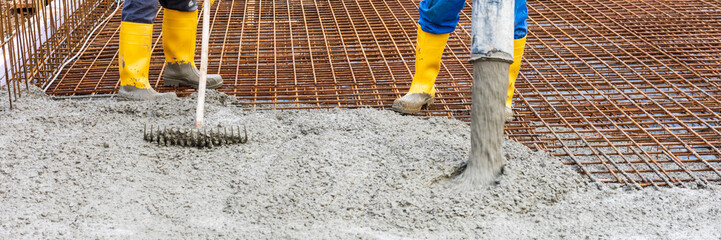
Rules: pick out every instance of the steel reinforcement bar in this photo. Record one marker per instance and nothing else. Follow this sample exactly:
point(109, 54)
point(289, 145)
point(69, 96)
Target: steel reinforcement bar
point(37, 37)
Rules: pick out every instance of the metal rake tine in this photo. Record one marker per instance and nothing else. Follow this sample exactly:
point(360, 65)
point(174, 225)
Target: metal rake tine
point(223, 139)
point(173, 136)
point(154, 135)
point(216, 137)
point(245, 132)
point(206, 139)
point(238, 135)
point(167, 137)
point(210, 139)
point(196, 138)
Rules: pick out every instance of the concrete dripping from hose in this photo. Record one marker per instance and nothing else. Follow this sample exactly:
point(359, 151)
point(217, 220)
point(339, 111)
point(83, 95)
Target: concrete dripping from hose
point(492, 55)
point(490, 84)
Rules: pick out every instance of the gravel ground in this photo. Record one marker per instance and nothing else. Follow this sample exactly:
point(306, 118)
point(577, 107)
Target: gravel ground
point(80, 169)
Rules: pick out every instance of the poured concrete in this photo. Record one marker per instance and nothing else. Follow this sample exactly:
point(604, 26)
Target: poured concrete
point(80, 169)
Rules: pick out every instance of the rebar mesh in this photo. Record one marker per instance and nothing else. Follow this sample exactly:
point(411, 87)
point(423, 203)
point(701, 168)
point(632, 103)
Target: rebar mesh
point(626, 91)
point(38, 36)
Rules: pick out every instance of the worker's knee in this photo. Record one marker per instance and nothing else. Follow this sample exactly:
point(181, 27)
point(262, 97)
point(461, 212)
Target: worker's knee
point(139, 11)
point(180, 5)
point(439, 16)
point(520, 28)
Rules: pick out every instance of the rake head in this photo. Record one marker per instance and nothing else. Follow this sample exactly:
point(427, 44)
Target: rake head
point(195, 138)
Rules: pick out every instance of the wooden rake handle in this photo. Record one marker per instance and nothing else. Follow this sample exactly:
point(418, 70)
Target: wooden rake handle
point(200, 110)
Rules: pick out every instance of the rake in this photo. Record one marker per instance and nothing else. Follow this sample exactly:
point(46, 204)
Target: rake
point(199, 137)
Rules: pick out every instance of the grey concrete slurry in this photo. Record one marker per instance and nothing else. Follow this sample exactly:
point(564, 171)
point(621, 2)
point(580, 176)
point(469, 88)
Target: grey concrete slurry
point(80, 169)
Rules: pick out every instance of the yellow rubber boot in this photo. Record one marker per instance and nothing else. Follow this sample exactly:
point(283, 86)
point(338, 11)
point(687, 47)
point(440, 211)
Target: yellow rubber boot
point(134, 61)
point(518, 46)
point(428, 63)
point(179, 34)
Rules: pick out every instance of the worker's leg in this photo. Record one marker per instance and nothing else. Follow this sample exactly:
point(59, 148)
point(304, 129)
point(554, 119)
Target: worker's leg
point(136, 34)
point(180, 21)
point(438, 18)
point(520, 31)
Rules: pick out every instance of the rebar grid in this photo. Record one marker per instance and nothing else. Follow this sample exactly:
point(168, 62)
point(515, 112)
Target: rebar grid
point(38, 36)
point(626, 91)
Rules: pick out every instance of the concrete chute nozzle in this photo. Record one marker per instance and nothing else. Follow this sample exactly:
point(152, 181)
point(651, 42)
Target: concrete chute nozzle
point(491, 54)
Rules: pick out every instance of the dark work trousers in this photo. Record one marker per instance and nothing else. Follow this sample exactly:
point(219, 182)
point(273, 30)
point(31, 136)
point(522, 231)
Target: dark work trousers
point(144, 11)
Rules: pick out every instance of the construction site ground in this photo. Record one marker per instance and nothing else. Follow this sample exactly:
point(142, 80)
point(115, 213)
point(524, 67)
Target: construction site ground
point(80, 169)
point(627, 91)
point(616, 134)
